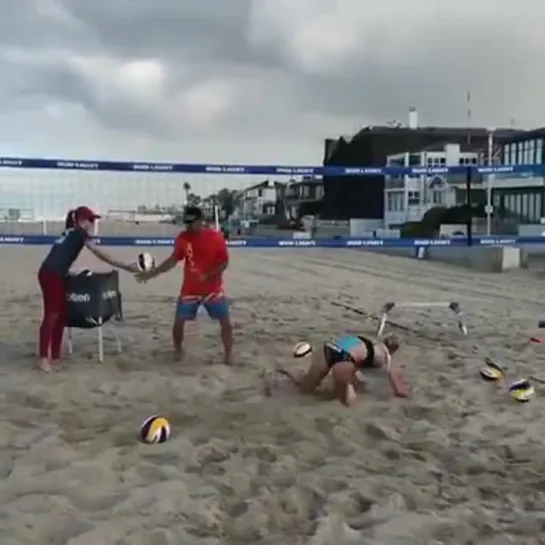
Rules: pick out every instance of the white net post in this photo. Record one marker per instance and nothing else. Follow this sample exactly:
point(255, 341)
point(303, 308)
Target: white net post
point(216, 217)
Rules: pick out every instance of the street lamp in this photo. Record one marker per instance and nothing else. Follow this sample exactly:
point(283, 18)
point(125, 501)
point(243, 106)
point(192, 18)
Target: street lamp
point(489, 183)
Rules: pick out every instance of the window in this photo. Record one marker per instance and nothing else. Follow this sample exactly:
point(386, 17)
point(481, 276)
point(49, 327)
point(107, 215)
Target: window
point(518, 203)
point(395, 200)
point(320, 192)
point(513, 154)
point(394, 182)
point(532, 152)
point(389, 202)
point(507, 154)
point(260, 192)
point(413, 198)
point(437, 196)
point(520, 157)
point(525, 205)
point(531, 212)
point(415, 159)
point(539, 152)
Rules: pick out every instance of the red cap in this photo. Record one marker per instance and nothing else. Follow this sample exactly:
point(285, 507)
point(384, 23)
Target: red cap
point(85, 213)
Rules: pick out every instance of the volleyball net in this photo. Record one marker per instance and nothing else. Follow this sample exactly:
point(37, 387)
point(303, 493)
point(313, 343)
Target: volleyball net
point(141, 203)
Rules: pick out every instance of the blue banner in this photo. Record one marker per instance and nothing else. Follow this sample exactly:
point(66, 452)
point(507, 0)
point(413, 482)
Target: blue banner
point(261, 170)
point(41, 240)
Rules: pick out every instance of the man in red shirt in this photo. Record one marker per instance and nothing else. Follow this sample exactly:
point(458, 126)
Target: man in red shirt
point(205, 257)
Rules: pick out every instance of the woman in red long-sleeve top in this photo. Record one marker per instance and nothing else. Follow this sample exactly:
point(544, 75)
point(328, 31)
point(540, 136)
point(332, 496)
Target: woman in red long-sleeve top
point(52, 279)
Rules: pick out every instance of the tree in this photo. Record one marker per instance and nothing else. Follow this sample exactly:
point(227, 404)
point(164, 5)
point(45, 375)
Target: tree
point(187, 189)
point(193, 200)
point(227, 201)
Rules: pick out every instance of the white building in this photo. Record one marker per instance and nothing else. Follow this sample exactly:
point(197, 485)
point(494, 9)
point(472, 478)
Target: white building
point(258, 200)
point(522, 197)
point(407, 198)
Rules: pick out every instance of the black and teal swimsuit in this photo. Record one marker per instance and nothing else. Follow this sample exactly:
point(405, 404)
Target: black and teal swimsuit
point(341, 350)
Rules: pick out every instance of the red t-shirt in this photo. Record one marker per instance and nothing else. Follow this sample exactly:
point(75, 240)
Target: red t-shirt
point(202, 253)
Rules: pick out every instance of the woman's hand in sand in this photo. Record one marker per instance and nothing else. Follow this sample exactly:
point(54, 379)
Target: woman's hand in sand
point(399, 387)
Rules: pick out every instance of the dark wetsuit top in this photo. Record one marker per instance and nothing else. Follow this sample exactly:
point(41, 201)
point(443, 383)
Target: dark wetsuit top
point(341, 348)
point(65, 251)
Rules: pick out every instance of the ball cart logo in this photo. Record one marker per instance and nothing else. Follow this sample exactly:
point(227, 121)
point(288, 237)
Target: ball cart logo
point(109, 294)
point(78, 297)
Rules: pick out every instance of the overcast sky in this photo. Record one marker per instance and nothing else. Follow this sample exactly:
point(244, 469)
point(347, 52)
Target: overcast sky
point(257, 80)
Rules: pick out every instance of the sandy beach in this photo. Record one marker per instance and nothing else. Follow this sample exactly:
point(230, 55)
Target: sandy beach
point(457, 463)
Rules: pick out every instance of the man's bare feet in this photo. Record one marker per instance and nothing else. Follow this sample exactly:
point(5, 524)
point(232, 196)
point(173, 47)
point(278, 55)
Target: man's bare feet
point(228, 359)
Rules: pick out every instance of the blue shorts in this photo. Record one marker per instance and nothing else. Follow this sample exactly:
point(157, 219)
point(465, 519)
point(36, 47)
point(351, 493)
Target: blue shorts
point(217, 307)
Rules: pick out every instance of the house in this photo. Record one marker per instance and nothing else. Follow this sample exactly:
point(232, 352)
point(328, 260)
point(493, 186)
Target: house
point(302, 197)
point(407, 198)
point(258, 200)
point(522, 196)
point(362, 197)
point(518, 198)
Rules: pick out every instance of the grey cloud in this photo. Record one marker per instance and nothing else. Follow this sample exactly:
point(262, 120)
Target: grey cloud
point(261, 76)
point(200, 31)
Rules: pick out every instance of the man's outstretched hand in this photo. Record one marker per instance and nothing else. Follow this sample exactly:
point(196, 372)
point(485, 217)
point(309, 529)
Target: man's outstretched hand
point(142, 276)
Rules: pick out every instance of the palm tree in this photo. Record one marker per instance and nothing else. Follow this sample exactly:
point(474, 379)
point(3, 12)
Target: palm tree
point(228, 201)
point(187, 189)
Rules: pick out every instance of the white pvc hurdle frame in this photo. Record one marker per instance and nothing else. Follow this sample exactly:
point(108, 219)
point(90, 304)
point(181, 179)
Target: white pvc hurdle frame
point(454, 306)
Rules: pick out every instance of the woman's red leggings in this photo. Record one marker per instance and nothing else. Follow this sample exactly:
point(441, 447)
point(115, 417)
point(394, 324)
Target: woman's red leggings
point(55, 314)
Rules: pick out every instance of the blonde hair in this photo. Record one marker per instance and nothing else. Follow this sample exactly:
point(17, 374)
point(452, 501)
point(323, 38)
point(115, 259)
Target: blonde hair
point(391, 342)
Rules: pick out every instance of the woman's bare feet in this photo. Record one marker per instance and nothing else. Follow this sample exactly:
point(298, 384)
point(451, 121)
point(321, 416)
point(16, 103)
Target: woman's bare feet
point(228, 359)
point(178, 355)
point(44, 366)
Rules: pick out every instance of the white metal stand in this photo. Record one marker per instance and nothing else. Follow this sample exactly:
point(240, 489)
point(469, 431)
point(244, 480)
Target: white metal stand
point(100, 331)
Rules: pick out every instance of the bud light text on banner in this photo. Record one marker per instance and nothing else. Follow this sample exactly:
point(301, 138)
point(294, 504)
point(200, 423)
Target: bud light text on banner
point(45, 240)
point(261, 170)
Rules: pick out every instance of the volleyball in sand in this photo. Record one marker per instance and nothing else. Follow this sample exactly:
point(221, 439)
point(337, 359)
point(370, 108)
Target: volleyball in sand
point(155, 429)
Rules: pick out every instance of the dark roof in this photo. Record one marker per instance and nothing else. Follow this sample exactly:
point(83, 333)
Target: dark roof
point(307, 180)
point(436, 131)
point(264, 183)
point(520, 136)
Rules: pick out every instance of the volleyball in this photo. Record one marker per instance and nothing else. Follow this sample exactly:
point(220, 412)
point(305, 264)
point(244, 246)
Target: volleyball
point(145, 262)
point(491, 371)
point(155, 429)
point(521, 390)
point(302, 349)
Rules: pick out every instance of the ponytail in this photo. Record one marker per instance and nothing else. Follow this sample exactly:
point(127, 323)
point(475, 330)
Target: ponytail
point(70, 220)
